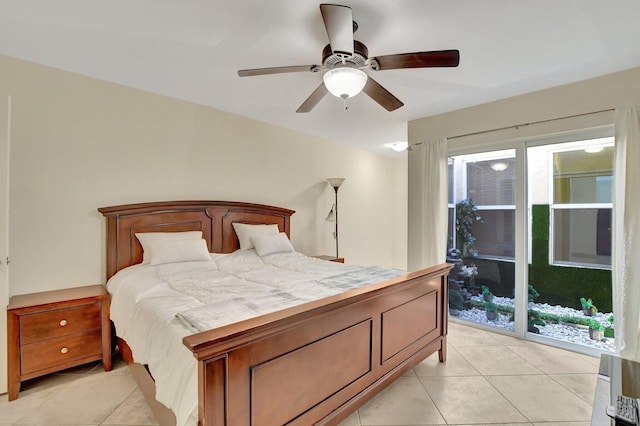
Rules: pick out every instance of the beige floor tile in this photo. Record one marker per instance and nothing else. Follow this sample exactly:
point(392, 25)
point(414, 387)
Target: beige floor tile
point(554, 360)
point(404, 402)
point(82, 369)
point(508, 340)
point(87, 400)
point(583, 385)
point(56, 381)
point(496, 360)
point(133, 411)
point(462, 335)
point(352, 420)
point(563, 424)
point(470, 400)
point(456, 365)
point(118, 366)
point(593, 360)
point(411, 373)
point(28, 401)
point(498, 424)
point(541, 399)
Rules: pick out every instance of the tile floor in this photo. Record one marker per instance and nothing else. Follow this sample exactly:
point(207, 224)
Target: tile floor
point(488, 378)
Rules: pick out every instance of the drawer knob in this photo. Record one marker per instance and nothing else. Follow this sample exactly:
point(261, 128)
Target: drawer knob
point(63, 322)
point(64, 350)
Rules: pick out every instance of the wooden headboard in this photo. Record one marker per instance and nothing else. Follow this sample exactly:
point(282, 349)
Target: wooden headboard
point(213, 218)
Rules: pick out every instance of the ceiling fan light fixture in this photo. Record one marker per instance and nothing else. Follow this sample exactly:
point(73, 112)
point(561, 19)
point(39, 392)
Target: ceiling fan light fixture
point(344, 82)
point(499, 166)
point(398, 146)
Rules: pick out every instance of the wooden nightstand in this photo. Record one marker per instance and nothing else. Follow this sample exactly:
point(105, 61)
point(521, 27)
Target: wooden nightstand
point(330, 258)
point(55, 330)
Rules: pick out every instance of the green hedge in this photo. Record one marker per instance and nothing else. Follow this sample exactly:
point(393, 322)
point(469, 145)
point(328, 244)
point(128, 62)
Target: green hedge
point(563, 285)
point(557, 285)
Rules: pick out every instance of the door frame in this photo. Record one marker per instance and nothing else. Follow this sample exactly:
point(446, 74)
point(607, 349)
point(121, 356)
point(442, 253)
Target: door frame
point(5, 148)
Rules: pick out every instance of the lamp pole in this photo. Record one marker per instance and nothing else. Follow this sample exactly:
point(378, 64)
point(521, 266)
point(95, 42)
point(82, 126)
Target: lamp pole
point(335, 184)
point(336, 225)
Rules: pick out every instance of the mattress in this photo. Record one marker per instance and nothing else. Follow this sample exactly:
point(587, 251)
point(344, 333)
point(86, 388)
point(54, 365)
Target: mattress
point(154, 307)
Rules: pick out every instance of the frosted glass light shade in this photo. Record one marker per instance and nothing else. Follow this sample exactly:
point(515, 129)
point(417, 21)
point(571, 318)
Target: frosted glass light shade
point(593, 149)
point(344, 82)
point(335, 182)
point(397, 146)
point(499, 166)
point(331, 217)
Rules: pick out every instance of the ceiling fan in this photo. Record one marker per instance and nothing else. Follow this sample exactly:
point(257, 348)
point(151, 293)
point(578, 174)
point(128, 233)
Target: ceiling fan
point(345, 59)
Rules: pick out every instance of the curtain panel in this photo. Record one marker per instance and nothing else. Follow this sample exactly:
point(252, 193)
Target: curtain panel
point(434, 201)
point(626, 233)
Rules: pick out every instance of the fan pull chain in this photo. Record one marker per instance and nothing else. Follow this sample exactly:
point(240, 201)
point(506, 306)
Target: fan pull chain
point(344, 100)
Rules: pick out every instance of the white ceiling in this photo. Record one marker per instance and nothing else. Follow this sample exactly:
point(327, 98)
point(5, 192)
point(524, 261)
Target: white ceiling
point(192, 49)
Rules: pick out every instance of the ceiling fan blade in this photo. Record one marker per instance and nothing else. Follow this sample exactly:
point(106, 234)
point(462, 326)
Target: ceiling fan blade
point(338, 21)
point(275, 70)
point(437, 58)
point(313, 99)
point(381, 95)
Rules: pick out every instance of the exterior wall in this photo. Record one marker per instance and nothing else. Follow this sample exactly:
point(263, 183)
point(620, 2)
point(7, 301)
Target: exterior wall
point(79, 143)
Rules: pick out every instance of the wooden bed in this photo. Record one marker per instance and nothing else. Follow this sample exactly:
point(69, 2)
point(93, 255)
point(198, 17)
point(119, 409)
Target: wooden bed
point(311, 364)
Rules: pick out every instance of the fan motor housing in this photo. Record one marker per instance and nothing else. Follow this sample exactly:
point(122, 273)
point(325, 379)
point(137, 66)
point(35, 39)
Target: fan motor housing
point(357, 60)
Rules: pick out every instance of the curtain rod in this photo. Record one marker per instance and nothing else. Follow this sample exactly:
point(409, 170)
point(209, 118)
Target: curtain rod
point(517, 126)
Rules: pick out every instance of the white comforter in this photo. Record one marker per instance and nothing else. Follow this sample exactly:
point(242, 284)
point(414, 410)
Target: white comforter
point(154, 307)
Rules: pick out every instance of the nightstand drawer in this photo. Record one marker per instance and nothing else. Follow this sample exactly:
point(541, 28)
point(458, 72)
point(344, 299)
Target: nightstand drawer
point(58, 322)
point(49, 353)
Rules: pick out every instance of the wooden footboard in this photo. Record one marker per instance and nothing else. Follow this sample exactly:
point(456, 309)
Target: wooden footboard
point(318, 362)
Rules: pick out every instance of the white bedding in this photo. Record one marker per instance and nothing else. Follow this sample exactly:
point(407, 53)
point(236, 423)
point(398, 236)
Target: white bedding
point(154, 307)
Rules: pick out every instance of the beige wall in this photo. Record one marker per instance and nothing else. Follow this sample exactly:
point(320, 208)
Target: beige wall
point(598, 94)
point(80, 143)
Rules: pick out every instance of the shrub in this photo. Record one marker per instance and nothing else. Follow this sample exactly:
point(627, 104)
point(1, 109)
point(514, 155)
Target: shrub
point(588, 304)
point(491, 307)
point(466, 216)
point(594, 325)
point(455, 299)
point(533, 294)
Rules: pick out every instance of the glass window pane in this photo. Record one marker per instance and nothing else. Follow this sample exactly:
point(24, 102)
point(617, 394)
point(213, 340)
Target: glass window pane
point(451, 227)
point(582, 236)
point(450, 177)
point(495, 237)
point(492, 182)
point(582, 177)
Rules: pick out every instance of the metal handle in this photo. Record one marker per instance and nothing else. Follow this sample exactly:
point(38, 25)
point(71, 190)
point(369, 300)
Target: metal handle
point(63, 322)
point(64, 350)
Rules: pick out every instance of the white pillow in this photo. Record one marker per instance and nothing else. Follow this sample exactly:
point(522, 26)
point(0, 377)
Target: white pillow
point(172, 251)
point(271, 243)
point(150, 239)
point(245, 231)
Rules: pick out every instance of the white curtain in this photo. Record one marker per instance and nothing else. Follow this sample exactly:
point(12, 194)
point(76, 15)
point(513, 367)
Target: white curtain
point(626, 233)
point(434, 202)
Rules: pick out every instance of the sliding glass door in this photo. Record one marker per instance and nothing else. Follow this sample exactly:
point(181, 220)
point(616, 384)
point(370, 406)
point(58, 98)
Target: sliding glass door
point(530, 235)
point(570, 200)
point(482, 238)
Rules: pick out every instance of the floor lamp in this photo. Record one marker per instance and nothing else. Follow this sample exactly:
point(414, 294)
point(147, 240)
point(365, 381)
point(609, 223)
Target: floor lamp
point(333, 213)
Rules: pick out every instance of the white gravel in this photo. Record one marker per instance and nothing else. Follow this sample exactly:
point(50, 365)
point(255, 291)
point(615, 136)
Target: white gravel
point(566, 332)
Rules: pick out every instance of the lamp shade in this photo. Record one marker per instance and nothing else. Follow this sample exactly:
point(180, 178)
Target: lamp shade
point(331, 217)
point(335, 182)
point(344, 82)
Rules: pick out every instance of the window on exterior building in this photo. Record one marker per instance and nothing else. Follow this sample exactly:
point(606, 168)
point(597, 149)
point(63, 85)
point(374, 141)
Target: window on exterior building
point(491, 185)
point(451, 205)
point(581, 206)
